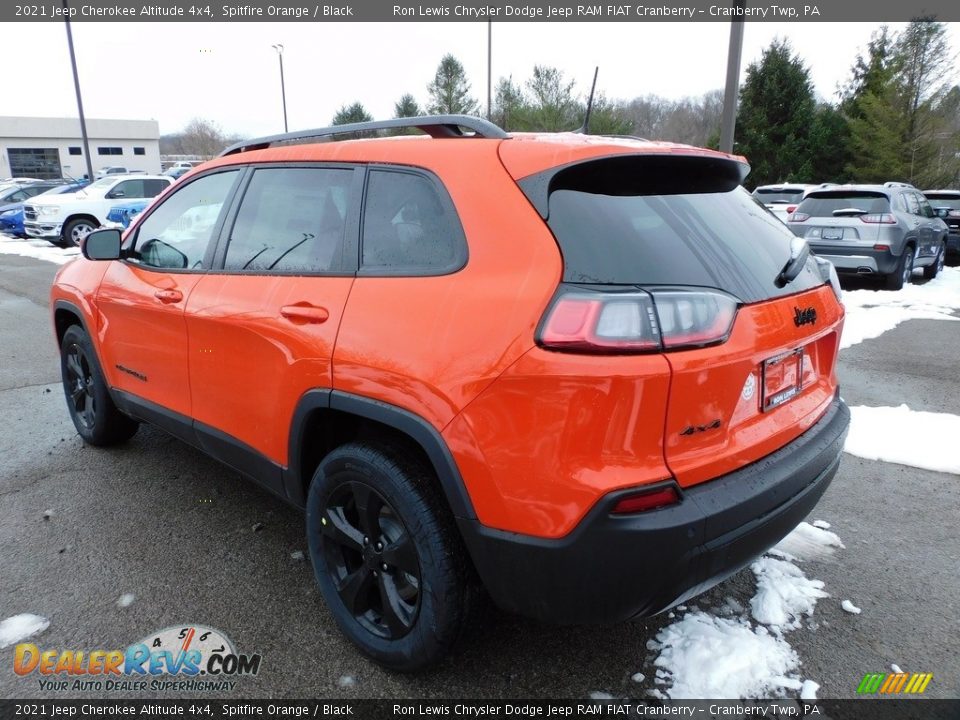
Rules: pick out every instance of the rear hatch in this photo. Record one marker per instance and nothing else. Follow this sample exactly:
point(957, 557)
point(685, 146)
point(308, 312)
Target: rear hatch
point(668, 254)
point(842, 218)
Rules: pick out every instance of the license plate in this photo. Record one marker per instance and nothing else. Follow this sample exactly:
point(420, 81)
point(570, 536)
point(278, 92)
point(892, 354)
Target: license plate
point(782, 379)
point(832, 234)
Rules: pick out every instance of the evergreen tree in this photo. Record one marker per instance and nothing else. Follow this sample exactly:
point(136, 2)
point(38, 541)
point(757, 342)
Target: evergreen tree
point(511, 109)
point(775, 116)
point(353, 113)
point(406, 107)
point(553, 106)
point(449, 91)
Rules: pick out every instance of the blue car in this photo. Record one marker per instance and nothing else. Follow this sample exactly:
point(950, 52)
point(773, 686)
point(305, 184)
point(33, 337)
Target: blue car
point(123, 214)
point(11, 213)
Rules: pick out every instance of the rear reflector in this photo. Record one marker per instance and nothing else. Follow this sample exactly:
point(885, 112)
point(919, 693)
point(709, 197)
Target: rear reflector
point(649, 500)
point(881, 248)
point(591, 321)
point(791, 208)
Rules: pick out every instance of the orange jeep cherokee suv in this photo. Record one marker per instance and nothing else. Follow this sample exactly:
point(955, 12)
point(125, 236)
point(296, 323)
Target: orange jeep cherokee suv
point(591, 375)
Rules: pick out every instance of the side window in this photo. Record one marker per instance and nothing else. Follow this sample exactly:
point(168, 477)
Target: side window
point(152, 188)
point(409, 226)
point(913, 207)
point(291, 220)
point(925, 208)
point(178, 231)
point(127, 189)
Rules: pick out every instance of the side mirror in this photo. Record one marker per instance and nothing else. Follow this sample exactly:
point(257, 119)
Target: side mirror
point(102, 245)
point(114, 194)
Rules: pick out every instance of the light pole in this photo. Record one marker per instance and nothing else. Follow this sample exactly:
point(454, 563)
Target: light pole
point(728, 121)
point(283, 88)
point(76, 85)
point(489, 69)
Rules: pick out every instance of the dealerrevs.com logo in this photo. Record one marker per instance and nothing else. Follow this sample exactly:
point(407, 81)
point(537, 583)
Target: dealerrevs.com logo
point(187, 658)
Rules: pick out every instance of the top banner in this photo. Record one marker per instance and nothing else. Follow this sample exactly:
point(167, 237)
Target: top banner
point(492, 11)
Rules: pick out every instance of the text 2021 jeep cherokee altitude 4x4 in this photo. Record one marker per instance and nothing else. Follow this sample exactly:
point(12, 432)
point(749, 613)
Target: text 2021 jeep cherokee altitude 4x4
point(591, 375)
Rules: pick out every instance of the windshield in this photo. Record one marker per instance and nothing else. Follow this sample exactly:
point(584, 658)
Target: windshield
point(825, 204)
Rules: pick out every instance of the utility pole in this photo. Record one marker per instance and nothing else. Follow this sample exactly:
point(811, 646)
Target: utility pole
point(283, 88)
point(76, 85)
point(729, 119)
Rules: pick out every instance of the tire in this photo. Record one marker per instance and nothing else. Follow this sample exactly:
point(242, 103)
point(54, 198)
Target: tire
point(932, 271)
point(75, 230)
point(97, 419)
point(380, 537)
point(901, 276)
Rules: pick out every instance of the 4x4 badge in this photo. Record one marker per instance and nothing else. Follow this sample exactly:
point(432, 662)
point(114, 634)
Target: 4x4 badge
point(805, 316)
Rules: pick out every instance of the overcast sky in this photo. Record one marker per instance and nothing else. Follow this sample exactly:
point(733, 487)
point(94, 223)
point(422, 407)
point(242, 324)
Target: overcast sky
point(229, 73)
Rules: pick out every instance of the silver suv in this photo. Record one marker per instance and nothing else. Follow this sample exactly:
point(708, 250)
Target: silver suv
point(885, 230)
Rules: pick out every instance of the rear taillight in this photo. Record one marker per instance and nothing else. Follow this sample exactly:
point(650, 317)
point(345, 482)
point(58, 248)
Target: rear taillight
point(591, 321)
point(646, 500)
point(791, 208)
point(953, 213)
point(878, 219)
point(798, 217)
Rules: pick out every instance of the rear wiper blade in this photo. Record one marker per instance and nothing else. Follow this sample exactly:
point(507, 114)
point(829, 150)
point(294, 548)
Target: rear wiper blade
point(799, 252)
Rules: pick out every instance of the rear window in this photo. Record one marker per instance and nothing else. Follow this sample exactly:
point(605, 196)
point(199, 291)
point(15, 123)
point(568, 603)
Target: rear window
point(825, 204)
point(950, 201)
point(724, 239)
point(778, 196)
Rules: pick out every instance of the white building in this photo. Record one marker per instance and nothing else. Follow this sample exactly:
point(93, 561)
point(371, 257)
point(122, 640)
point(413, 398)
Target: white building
point(52, 147)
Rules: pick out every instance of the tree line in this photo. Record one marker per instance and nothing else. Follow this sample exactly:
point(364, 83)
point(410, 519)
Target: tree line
point(897, 117)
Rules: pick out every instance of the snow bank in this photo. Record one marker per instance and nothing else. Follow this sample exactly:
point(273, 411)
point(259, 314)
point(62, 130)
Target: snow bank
point(711, 657)
point(37, 249)
point(904, 436)
point(870, 313)
point(784, 594)
point(20, 627)
point(807, 542)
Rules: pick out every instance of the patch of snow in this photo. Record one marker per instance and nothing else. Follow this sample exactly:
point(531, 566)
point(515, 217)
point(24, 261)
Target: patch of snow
point(807, 542)
point(346, 681)
point(850, 607)
point(654, 693)
point(126, 600)
point(906, 437)
point(808, 690)
point(20, 627)
point(597, 695)
point(640, 677)
point(870, 313)
point(822, 524)
point(784, 594)
point(895, 668)
point(47, 514)
point(297, 555)
point(711, 657)
point(37, 249)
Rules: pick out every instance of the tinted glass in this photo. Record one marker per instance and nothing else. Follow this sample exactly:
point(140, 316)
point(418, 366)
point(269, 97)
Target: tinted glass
point(950, 201)
point(409, 226)
point(725, 240)
point(178, 231)
point(925, 208)
point(778, 196)
point(291, 220)
point(824, 204)
point(913, 206)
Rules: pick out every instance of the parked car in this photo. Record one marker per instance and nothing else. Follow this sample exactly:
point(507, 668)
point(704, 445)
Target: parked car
point(583, 372)
point(110, 170)
point(19, 193)
point(69, 218)
point(121, 215)
point(884, 230)
point(177, 171)
point(11, 214)
point(946, 204)
point(781, 199)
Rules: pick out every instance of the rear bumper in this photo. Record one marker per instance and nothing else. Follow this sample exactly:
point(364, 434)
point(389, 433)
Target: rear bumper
point(858, 260)
point(612, 568)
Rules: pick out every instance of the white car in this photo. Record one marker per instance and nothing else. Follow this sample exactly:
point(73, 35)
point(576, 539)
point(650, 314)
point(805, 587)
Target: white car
point(71, 217)
point(782, 199)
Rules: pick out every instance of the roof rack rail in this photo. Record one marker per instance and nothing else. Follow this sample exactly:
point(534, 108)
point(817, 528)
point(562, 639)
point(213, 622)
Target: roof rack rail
point(892, 183)
point(436, 126)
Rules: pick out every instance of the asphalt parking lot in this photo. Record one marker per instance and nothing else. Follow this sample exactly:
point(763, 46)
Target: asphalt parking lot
point(162, 522)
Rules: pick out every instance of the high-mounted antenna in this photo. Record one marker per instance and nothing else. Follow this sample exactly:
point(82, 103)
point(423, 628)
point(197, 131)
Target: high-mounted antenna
point(585, 128)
